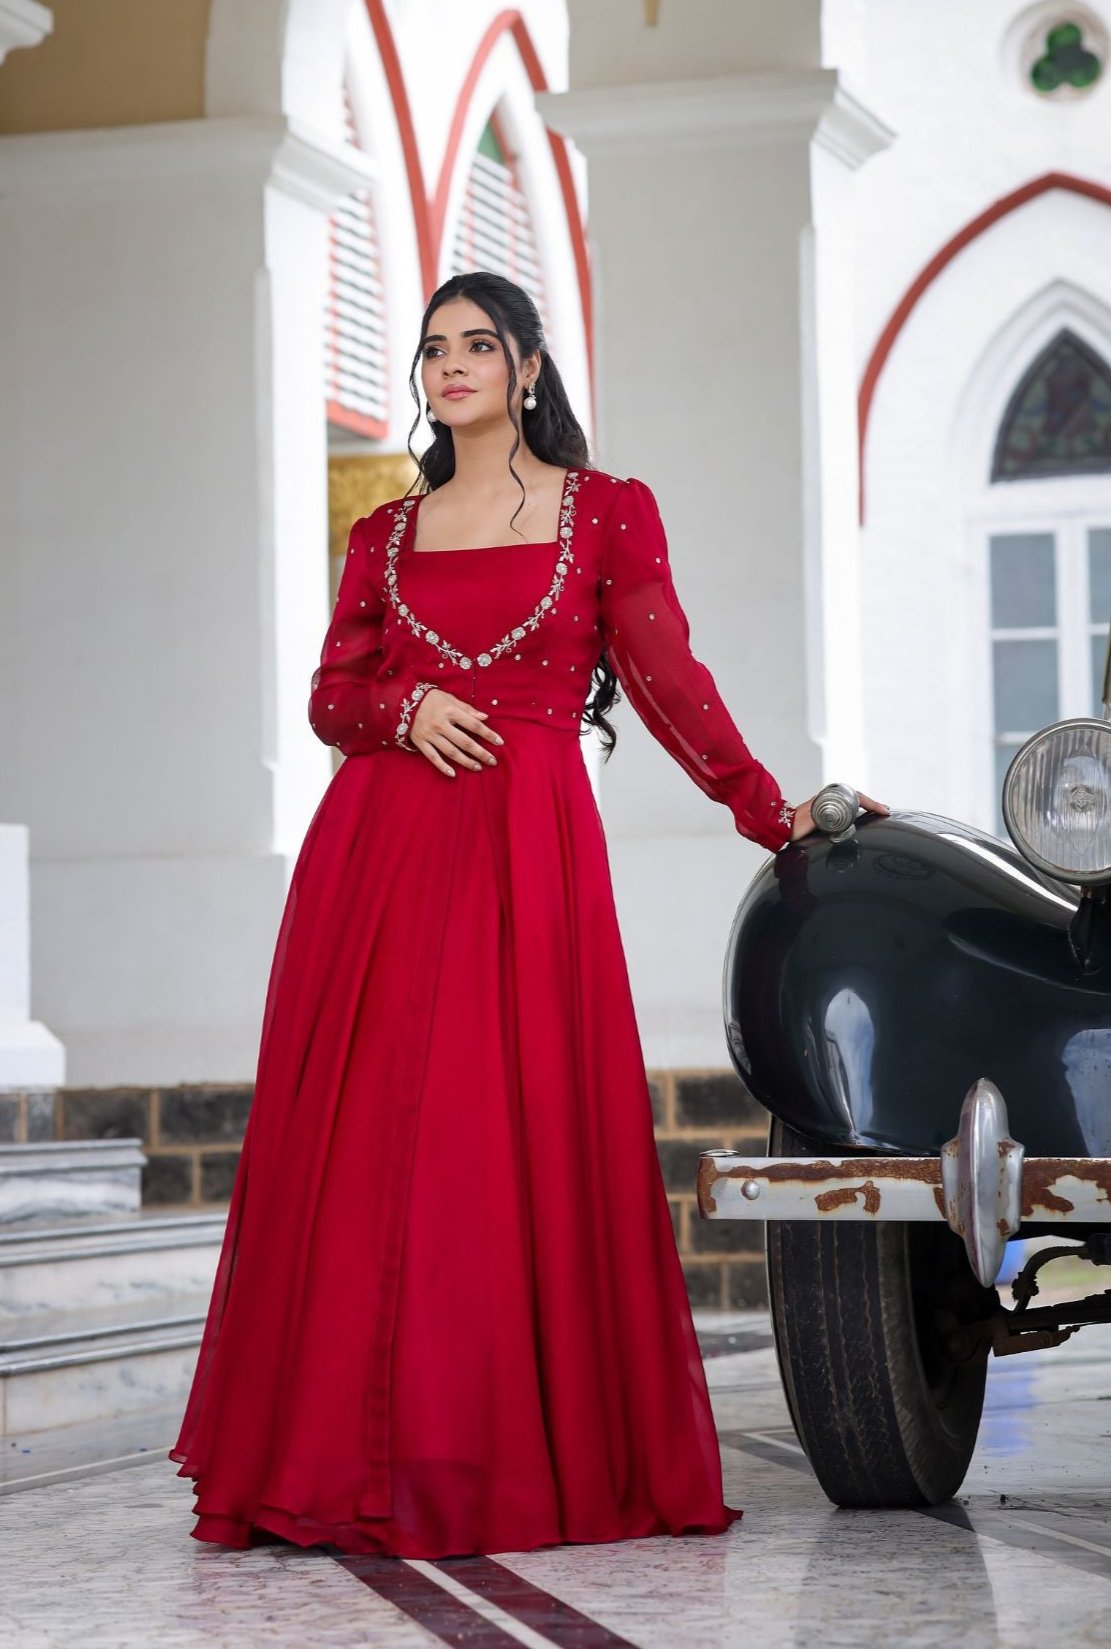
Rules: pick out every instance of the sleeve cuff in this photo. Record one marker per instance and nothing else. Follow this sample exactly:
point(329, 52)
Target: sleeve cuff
point(407, 712)
point(785, 818)
point(776, 833)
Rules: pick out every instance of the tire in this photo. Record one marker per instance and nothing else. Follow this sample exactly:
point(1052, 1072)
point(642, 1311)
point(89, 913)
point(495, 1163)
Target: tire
point(861, 1314)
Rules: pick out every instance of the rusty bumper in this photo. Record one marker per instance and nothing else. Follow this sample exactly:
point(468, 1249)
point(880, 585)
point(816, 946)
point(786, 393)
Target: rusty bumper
point(982, 1184)
point(1068, 1190)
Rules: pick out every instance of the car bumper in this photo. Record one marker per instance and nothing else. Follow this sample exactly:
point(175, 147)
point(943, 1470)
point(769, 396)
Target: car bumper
point(982, 1184)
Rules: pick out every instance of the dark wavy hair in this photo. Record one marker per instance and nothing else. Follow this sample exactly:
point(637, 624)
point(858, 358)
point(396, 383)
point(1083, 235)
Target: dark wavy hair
point(553, 432)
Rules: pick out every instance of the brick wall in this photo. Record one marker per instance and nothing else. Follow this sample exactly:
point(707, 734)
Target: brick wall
point(723, 1260)
point(191, 1136)
point(27, 1118)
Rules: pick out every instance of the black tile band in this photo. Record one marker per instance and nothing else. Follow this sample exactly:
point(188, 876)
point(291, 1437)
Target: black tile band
point(567, 1627)
point(446, 1617)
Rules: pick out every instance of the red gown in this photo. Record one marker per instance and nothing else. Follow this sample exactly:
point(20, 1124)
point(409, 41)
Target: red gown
point(449, 1316)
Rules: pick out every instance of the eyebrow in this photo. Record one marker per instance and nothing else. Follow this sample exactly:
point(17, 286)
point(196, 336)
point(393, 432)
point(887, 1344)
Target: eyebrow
point(475, 332)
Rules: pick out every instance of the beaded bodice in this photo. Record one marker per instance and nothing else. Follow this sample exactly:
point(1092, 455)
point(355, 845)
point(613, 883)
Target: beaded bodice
point(517, 629)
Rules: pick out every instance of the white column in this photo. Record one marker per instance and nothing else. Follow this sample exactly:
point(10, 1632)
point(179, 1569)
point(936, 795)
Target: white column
point(29, 1056)
point(163, 582)
point(23, 23)
point(725, 381)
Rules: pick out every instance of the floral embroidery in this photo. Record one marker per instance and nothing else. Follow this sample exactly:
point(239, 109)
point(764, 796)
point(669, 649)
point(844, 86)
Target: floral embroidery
point(408, 711)
point(786, 814)
point(547, 603)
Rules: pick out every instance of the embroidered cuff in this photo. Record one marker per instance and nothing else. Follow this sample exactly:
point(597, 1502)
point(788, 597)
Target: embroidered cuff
point(785, 818)
point(408, 711)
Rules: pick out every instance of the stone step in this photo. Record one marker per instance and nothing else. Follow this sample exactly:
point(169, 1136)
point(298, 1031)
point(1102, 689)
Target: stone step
point(68, 1368)
point(69, 1179)
point(63, 1454)
point(86, 1265)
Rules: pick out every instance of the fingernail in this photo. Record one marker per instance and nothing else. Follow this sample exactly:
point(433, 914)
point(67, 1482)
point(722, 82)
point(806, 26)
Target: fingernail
point(497, 740)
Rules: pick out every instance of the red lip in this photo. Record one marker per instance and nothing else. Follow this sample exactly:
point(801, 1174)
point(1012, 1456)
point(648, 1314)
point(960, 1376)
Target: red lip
point(456, 393)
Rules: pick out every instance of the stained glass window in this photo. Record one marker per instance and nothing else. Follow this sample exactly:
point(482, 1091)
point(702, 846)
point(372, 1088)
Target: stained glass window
point(1065, 61)
point(1058, 421)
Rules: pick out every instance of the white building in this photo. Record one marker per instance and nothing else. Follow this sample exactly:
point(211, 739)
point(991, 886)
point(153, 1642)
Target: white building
point(833, 276)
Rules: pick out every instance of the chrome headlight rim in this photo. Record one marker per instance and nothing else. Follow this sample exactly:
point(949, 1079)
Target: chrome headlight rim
point(1098, 878)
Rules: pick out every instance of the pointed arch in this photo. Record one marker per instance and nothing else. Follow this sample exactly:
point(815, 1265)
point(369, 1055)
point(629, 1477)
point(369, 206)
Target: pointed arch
point(505, 90)
point(494, 228)
point(430, 209)
point(1058, 419)
point(919, 286)
point(1006, 360)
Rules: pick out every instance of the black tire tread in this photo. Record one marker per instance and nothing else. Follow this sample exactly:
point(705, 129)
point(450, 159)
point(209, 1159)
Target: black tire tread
point(843, 1315)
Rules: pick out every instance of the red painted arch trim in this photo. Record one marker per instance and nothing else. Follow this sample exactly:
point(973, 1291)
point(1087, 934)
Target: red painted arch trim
point(427, 246)
point(503, 21)
point(512, 22)
point(429, 214)
point(952, 248)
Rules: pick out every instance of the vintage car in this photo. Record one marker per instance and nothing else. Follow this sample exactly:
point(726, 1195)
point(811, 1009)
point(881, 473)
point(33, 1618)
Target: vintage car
point(926, 1014)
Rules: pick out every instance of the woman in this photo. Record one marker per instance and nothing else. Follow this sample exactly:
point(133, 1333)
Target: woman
point(449, 1315)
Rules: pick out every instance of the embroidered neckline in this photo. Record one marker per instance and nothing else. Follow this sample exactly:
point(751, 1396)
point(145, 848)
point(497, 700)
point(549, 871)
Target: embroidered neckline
point(547, 603)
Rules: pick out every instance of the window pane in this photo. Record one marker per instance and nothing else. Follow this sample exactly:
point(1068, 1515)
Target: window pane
point(1025, 685)
point(1099, 653)
point(1004, 755)
point(1023, 595)
point(1099, 574)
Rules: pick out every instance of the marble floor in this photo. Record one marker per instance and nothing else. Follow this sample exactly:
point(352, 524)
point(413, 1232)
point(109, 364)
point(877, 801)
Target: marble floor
point(94, 1547)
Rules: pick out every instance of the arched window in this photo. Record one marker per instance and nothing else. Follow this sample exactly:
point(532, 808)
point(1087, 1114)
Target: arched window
point(1058, 421)
point(357, 386)
point(495, 226)
point(1049, 544)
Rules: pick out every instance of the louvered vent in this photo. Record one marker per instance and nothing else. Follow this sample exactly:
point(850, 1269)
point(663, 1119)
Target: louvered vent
point(495, 225)
point(355, 318)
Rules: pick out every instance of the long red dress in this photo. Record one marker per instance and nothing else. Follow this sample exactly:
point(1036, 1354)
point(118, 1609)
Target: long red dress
point(449, 1316)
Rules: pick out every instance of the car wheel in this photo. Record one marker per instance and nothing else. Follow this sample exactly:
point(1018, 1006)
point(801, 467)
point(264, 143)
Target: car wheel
point(863, 1316)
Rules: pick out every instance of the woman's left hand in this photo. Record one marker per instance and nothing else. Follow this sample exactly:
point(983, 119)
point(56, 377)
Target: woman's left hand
point(804, 821)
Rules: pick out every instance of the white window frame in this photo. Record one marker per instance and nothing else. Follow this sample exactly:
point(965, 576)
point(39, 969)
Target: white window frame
point(1067, 508)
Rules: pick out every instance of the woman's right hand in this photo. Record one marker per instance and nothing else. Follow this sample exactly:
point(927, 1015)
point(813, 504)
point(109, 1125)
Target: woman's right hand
point(445, 726)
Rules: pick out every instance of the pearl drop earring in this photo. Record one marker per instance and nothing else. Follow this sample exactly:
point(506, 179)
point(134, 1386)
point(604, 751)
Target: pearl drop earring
point(530, 399)
point(429, 414)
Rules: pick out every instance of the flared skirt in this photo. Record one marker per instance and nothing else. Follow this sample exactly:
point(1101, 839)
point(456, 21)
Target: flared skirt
point(449, 1316)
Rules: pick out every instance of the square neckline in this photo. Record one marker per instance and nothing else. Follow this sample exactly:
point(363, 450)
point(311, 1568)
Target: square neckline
point(482, 549)
point(399, 542)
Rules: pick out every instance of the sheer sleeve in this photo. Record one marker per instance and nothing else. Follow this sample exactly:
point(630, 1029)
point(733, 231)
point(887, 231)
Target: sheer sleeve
point(646, 635)
point(356, 704)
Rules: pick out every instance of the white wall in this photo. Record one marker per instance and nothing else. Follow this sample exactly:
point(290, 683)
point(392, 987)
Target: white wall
point(969, 133)
point(163, 509)
point(162, 468)
point(162, 450)
point(724, 297)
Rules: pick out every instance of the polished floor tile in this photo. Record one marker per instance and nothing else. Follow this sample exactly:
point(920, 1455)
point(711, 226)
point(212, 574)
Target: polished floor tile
point(102, 1558)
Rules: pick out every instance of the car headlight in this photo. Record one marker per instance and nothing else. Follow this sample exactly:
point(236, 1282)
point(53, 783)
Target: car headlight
point(1057, 801)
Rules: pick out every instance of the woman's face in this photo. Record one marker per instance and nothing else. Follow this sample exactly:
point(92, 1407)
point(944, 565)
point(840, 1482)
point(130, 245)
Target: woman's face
point(463, 368)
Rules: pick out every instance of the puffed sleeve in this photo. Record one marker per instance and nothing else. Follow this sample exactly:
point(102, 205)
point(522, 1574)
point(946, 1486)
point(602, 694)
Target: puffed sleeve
point(355, 703)
point(647, 637)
